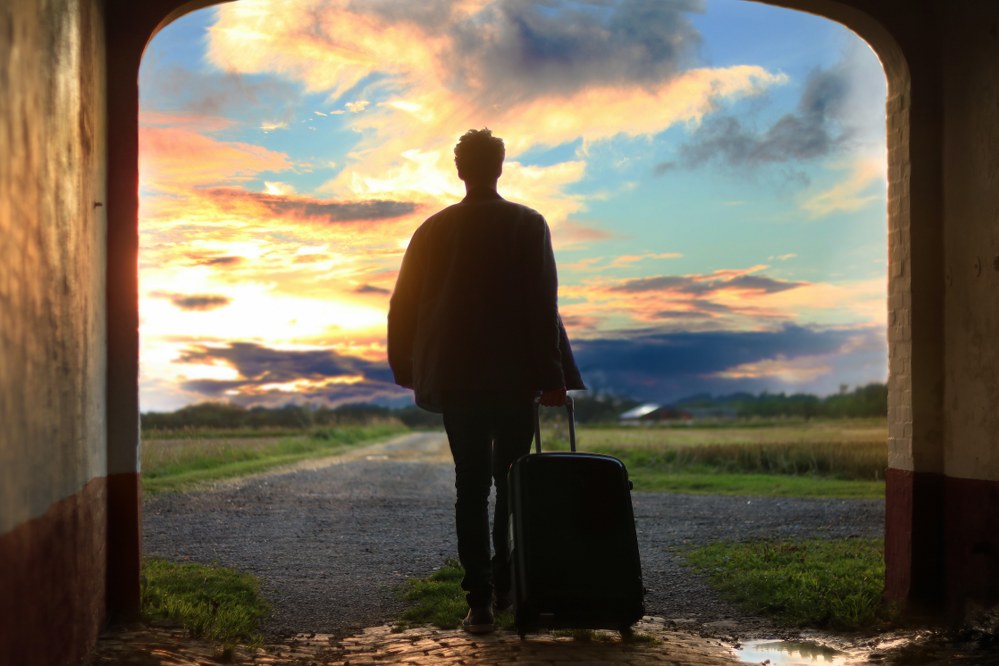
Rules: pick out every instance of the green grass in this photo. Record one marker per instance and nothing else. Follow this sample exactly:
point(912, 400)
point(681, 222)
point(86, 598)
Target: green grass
point(834, 584)
point(438, 600)
point(820, 584)
point(833, 458)
point(220, 433)
point(180, 464)
point(210, 601)
point(752, 485)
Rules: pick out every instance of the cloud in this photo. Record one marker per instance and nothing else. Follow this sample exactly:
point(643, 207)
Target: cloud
point(301, 207)
point(594, 264)
point(834, 113)
point(222, 261)
point(864, 185)
point(174, 159)
point(810, 132)
point(538, 74)
point(255, 362)
point(658, 367)
point(517, 50)
point(271, 125)
point(732, 299)
point(664, 367)
point(214, 92)
point(786, 370)
point(268, 376)
point(507, 50)
point(371, 289)
point(701, 285)
point(199, 301)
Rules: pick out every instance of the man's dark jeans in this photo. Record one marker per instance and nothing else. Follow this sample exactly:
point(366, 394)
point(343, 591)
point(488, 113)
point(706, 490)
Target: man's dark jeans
point(485, 440)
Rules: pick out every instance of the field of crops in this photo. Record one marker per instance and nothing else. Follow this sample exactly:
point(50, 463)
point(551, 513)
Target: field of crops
point(837, 458)
point(820, 458)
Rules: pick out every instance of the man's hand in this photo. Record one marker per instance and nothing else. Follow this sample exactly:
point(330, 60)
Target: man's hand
point(553, 397)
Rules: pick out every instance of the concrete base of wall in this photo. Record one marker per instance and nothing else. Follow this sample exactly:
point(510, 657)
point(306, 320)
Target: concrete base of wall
point(971, 538)
point(914, 578)
point(941, 542)
point(124, 537)
point(52, 573)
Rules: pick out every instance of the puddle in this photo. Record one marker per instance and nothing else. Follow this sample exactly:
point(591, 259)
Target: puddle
point(376, 458)
point(791, 653)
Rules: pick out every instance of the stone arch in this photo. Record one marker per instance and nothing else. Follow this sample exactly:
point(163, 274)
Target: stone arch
point(904, 45)
point(913, 536)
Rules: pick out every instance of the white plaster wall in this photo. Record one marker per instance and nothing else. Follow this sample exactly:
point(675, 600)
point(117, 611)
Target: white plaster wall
point(899, 282)
point(52, 236)
point(971, 240)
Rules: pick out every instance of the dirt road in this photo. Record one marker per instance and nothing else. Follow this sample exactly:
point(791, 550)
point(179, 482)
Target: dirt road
point(331, 540)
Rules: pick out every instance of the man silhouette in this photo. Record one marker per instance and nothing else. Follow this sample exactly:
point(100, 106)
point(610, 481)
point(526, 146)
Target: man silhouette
point(474, 329)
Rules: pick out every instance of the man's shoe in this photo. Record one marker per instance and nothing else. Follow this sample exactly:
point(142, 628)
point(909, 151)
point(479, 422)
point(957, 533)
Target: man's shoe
point(478, 621)
point(502, 601)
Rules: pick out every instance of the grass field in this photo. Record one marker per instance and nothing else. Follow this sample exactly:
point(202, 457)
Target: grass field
point(818, 458)
point(182, 463)
point(830, 458)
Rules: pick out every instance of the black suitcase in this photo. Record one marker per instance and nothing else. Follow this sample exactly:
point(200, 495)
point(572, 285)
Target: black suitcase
point(573, 547)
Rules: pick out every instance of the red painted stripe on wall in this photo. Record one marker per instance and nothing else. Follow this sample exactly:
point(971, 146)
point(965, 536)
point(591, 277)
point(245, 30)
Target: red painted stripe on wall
point(124, 539)
point(971, 531)
point(52, 581)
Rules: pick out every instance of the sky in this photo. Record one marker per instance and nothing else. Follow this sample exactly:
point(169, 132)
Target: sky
point(713, 173)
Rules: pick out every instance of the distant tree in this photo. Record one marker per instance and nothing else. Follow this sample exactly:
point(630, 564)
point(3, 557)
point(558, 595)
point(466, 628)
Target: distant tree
point(201, 415)
point(360, 414)
point(863, 401)
point(415, 417)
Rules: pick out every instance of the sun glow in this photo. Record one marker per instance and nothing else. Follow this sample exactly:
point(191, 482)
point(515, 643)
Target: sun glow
point(304, 385)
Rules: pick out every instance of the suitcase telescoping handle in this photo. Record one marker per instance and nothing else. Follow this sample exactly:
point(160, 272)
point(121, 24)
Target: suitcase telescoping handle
point(572, 424)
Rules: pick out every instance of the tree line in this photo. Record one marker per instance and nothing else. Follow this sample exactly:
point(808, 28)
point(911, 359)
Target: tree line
point(230, 416)
point(870, 400)
point(863, 401)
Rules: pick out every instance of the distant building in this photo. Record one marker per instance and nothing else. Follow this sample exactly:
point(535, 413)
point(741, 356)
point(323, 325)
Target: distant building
point(652, 413)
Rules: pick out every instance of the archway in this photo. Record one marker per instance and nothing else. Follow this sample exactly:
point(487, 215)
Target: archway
point(913, 449)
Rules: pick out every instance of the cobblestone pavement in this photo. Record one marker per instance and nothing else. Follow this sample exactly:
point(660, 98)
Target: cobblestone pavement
point(652, 644)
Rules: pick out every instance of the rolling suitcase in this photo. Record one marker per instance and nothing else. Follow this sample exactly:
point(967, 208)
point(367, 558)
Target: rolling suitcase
point(573, 548)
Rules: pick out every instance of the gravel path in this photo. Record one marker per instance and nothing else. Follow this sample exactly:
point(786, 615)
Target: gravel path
point(332, 540)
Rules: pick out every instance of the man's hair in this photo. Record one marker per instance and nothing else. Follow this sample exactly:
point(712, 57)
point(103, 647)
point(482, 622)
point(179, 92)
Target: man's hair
point(479, 155)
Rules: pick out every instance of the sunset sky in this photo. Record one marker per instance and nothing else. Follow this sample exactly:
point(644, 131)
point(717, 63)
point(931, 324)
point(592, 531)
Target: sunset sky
point(713, 173)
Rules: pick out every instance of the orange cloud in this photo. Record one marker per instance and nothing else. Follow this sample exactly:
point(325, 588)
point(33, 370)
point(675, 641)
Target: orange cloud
point(735, 299)
point(797, 370)
point(176, 158)
point(864, 184)
point(439, 73)
point(800, 369)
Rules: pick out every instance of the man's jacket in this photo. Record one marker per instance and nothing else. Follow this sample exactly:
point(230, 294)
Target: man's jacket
point(475, 309)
